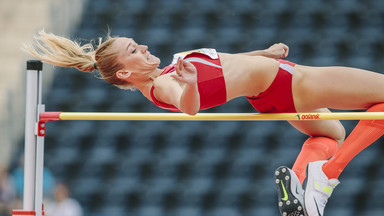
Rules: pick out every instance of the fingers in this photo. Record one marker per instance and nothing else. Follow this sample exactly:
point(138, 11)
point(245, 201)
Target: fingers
point(285, 48)
point(286, 51)
point(176, 77)
point(179, 66)
point(184, 67)
point(188, 66)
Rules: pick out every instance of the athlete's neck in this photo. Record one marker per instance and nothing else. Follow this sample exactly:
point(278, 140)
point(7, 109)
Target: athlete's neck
point(144, 86)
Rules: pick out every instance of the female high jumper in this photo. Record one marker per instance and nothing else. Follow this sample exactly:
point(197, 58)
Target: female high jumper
point(204, 78)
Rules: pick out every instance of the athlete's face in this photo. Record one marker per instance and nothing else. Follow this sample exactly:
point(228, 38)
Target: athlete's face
point(135, 58)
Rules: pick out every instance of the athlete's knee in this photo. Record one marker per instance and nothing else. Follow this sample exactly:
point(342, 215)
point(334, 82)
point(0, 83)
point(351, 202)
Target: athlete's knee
point(337, 133)
point(340, 134)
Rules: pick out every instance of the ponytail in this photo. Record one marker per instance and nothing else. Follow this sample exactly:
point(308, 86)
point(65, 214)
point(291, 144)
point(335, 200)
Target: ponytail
point(61, 51)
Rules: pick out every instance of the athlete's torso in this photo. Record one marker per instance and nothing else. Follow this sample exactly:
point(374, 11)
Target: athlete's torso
point(242, 76)
point(247, 75)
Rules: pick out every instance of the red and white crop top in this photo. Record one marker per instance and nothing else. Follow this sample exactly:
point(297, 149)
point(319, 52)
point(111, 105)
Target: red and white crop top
point(210, 78)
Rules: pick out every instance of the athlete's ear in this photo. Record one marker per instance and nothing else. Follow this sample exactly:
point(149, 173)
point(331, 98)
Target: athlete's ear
point(123, 74)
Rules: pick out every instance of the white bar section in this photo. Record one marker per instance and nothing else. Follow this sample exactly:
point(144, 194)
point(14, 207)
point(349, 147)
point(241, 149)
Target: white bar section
point(39, 175)
point(39, 160)
point(30, 138)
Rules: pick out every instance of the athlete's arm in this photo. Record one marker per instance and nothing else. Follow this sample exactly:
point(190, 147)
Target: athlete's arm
point(190, 98)
point(278, 50)
point(186, 98)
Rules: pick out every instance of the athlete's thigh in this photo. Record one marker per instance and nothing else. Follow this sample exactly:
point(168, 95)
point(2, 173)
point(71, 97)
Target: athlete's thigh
point(341, 88)
point(327, 128)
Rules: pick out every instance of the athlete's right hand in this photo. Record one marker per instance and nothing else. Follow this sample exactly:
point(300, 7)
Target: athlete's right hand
point(185, 72)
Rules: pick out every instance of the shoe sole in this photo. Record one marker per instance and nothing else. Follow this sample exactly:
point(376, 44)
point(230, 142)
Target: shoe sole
point(289, 204)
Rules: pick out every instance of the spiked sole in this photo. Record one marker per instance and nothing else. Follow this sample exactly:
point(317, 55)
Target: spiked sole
point(289, 201)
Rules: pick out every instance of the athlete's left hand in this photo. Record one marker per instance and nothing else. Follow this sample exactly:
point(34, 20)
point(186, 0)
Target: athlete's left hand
point(185, 72)
point(278, 50)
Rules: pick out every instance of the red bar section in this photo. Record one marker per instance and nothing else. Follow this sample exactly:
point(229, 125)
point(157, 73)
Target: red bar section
point(50, 116)
point(23, 212)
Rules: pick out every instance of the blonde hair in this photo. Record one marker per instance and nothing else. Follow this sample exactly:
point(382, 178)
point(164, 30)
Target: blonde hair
point(64, 52)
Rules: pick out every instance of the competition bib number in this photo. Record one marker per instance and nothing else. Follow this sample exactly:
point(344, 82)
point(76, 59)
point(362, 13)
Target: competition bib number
point(209, 52)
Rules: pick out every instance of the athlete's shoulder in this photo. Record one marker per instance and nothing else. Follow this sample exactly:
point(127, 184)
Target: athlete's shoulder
point(162, 80)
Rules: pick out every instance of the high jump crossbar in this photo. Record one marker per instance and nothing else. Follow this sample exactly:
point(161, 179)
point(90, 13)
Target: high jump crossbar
point(36, 118)
point(137, 116)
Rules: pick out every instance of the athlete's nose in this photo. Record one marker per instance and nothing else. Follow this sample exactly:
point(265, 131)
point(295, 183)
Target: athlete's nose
point(144, 48)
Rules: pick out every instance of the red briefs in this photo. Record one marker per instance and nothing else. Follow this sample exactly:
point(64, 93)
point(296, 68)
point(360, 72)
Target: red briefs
point(278, 97)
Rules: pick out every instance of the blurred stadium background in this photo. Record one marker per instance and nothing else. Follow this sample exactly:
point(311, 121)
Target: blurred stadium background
point(185, 168)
